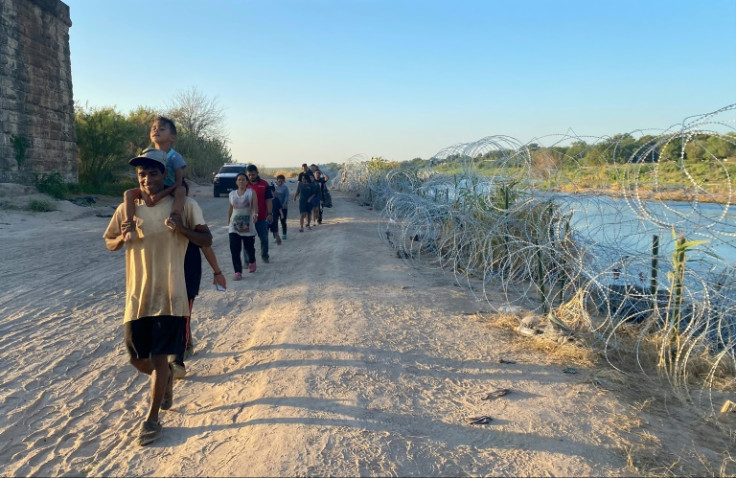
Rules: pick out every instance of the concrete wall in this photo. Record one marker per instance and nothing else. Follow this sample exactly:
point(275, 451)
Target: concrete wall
point(36, 101)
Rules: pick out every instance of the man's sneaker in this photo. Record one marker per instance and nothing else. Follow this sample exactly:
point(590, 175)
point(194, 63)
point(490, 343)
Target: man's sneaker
point(179, 370)
point(265, 259)
point(238, 276)
point(283, 236)
point(252, 267)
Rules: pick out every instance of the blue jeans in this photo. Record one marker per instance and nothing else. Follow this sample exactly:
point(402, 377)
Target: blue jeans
point(262, 230)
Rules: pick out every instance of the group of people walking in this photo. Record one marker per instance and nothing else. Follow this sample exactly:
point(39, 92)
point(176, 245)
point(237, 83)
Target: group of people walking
point(257, 208)
point(312, 192)
point(164, 234)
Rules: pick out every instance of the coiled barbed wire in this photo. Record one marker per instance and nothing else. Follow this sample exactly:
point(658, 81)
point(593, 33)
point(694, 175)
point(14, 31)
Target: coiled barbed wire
point(615, 262)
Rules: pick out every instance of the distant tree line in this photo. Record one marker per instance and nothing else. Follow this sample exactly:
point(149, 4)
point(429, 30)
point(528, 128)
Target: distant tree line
point(621, 149)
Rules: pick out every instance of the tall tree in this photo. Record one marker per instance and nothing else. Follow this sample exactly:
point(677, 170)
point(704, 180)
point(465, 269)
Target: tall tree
point(198, 115)
point(104, 139)
point(141, 120)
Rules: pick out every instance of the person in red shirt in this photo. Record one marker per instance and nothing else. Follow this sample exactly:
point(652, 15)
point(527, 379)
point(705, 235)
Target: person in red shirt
point(265, 207)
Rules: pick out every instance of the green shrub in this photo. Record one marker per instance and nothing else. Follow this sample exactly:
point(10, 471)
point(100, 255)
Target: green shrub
point(204, 156)
point(53, 185)
point(73, 188)
point(116, 188)
point(20, 145)
point(106, 140)
point(40, 206)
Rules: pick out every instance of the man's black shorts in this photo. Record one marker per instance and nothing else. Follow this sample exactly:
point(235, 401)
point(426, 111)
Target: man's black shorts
point(160, 335)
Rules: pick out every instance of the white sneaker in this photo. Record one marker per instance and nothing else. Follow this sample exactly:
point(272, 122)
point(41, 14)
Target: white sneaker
point(179, 371)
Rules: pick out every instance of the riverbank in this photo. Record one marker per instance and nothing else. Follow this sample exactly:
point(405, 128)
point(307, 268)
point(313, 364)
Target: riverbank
point(674, 193)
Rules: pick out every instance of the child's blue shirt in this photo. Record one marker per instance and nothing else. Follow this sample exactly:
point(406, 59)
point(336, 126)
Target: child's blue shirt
point(174, 161)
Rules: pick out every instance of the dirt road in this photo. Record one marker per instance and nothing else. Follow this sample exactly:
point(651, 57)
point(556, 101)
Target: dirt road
point(334, 359)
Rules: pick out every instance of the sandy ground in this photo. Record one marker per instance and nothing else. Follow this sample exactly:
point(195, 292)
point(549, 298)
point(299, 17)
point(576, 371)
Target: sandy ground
point(337, 359)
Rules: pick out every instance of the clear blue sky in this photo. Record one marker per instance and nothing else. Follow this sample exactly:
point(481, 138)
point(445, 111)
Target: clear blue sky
point(323, 80)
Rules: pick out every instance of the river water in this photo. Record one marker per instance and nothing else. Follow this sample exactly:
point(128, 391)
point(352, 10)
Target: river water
point(618, 233)
point(621, 231)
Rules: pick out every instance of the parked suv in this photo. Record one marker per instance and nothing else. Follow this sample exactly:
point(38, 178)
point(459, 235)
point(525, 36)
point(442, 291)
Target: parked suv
point(224, 180)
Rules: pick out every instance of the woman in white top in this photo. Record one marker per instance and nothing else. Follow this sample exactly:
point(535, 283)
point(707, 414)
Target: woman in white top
point(242, 226)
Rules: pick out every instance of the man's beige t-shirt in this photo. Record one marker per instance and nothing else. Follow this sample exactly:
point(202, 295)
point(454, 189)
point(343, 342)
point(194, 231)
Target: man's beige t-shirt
point(154, 262)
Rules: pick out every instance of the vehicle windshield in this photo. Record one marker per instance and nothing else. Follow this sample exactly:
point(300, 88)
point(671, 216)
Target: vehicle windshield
point(232, 169)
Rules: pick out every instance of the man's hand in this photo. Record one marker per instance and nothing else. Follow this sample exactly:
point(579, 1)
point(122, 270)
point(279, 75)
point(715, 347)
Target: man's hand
point(115, 243)
point(128, 231)
point(219, 279)
point(174, 222)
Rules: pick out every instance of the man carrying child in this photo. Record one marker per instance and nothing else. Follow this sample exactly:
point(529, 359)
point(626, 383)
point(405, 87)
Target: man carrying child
point(156, 302)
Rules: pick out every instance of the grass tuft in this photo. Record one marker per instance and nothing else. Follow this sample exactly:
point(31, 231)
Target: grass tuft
point(38, 205)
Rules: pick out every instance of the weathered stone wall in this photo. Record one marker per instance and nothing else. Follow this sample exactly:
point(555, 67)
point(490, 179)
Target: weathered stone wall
point(36, 101)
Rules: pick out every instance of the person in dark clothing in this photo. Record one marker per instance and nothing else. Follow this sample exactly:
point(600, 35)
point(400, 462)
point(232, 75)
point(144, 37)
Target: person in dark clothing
point(306, 192)
point(320, 181)
point(193, 277)
point(276, 211)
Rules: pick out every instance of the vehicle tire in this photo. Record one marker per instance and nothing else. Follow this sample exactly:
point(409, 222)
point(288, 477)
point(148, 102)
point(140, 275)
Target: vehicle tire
point(216, 193)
